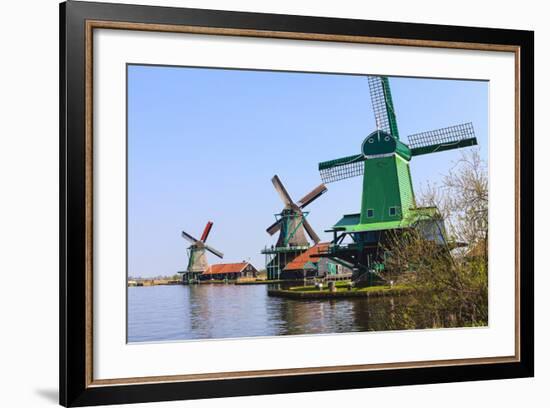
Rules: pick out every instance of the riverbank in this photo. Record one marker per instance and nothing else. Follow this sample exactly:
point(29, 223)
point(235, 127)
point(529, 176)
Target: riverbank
point(266, 282)
point(157, 282)
point(244, 282)
point(152, 282)
point(237, 282)
point(311, 292)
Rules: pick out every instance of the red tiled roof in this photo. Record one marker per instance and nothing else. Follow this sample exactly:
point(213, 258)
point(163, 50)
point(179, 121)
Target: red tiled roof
point(225, 268)
point(301, 260)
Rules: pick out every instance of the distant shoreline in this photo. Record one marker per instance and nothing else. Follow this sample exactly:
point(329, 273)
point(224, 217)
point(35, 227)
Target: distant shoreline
point(152, 282)
point(168, 281)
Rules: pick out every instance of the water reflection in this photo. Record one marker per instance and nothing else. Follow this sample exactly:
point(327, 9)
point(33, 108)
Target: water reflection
point(223, 311)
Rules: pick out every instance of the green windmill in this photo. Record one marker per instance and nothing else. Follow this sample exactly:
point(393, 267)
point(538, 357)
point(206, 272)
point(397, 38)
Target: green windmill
point(387, 201)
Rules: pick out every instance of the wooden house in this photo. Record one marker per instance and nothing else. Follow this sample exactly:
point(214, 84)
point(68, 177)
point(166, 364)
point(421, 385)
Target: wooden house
point(311, 265)
point(229, 271)
point(305, 265)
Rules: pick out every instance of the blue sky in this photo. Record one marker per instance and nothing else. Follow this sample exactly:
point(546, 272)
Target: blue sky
point(203, 145)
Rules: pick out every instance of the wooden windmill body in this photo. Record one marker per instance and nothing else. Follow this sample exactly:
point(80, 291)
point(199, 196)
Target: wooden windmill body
point(196, 253)
point(292, 225)
point(387, 202)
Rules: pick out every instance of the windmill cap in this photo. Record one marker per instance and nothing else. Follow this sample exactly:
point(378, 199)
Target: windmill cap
point(378, 142)
point(382, 143)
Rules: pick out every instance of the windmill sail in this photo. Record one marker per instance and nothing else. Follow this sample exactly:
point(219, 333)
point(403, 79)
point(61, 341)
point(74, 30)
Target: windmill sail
point(273, 228)
point(382, 105)
point(313, 195)
point(281, 190)
point(439, 140)
point(189, 237)
point(314, 237)
point(214, 251)
point(206, 231)
point(343, 168)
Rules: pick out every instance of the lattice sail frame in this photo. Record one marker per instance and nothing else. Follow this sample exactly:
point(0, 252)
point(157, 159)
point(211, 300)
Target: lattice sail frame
point(442, 139)
point(340, 169)
point(382, 105)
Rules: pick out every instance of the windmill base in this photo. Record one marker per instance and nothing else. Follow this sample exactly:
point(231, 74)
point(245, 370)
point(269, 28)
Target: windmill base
point(366, 255)
point(276, 258)
point(188, 278)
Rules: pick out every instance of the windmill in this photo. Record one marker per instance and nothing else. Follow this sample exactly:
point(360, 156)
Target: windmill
point(387, 201)
point(196, 253)
point(292, 225)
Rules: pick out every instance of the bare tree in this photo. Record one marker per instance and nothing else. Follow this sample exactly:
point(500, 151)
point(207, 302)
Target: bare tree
point(450, 281)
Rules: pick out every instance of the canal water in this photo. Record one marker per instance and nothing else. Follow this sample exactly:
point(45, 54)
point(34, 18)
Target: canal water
point(183, 312)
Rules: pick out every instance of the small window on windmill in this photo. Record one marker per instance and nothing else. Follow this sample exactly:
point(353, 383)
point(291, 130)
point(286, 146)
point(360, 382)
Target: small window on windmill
point(393, 211)
point(370, 212)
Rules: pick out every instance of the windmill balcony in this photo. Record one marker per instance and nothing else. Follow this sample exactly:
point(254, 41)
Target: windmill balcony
point(275, 250)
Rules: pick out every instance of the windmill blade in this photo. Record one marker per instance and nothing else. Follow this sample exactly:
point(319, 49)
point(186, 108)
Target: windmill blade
point(281, 190)
point(206, 231)
point(214, 251)
point(312, 196)
point(314, 237)
point(339, 169)
point(189, 237)
point(439, 140)
point(273, 228)
point(382, 105)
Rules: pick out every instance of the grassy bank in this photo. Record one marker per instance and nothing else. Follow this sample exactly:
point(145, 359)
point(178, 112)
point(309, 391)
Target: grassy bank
point(342, 291)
